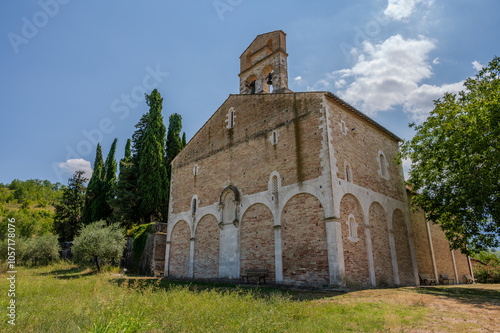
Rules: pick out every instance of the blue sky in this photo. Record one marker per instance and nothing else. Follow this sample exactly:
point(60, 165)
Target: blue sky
point(74, 72)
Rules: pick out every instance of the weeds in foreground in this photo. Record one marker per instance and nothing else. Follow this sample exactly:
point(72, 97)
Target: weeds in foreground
point(66, 298)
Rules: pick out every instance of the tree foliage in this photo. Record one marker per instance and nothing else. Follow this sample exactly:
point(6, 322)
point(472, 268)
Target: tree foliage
point(456, 162)
point(152, 182)
point(174, 142)
point(99, 243)
point(68, 216)
point(94, 189)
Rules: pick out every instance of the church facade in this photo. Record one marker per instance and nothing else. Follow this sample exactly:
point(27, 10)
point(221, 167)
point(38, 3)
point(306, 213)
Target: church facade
point(300, 184)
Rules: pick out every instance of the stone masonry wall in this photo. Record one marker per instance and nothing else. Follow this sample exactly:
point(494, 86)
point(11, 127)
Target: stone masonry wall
point(355, 256)
point(403, 254)
point(380, 244)
point(422, 245)
point(257, 240)
point(305, 259)
point(179, 250)
point(245, 156)
point(206, 250)
point(360, 147)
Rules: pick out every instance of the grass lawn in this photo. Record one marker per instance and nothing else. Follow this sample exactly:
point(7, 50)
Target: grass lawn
point(66, 298)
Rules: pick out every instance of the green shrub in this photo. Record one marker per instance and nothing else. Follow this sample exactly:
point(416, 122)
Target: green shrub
point(43, 249)
point(489, 273)
point(99, 243)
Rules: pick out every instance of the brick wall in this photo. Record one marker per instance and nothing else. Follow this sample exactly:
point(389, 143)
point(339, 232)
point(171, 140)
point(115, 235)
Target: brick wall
point(257, 240)
point(244, 156)
point(462, 265)
point(179, 250)
point(206, 249)
point(355, 257)
point(442, 253)
point(360, 148)
point(403, 254)
point(380, 244)
point(421, 240)
point(305, 258)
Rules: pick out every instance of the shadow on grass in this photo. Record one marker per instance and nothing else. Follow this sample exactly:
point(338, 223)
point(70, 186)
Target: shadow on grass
point(474, 295)
point(264, 291)
point(70, 273)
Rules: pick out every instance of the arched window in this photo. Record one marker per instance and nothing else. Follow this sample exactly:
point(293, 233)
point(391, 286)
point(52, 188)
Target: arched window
point(231, 120)
point(382, 165)
point(348, 174)
point(194, 206)
point(275, 185)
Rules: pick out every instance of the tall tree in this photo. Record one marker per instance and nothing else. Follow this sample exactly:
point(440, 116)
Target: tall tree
point(108, 179)
point(456, 162)
point(153, 182)
point(125, 203)
point(184, 143)
point(94, 188)
point(67, 220)
point(174, 142)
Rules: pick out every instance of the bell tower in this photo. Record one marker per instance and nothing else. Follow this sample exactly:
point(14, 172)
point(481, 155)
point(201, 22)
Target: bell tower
point(263, 65)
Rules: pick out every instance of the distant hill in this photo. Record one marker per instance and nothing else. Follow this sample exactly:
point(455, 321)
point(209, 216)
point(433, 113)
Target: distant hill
point(31, 203)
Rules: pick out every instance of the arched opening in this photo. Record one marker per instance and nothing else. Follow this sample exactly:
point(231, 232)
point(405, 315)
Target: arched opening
point(229, 201)
point(348, 174)
point(251, 84)
point(193, 207)
point(275, 185)
point(383, 165)
point(268, 77)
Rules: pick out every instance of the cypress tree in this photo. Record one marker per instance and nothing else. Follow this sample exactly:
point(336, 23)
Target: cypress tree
point(108, 179)
point(184, 143)
point(174, 141)
point(94, 187)
point(125, 204)
point(153, 183)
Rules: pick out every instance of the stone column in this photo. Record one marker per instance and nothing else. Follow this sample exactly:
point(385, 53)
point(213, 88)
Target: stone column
point(278, 254)
point(394, 258)
point(167, 260)
point(433, 258)
point(191, 257)
point(369, 252)
point(335, 250)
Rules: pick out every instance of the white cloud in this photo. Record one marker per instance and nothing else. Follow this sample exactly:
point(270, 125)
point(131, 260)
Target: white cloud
point(477, 66)
point(406, 163)
point(421, 100)
point(435, 61)
point(298, 78)
point(340, 83)
point(388, 74)
point(73, 165)
point(401, 9)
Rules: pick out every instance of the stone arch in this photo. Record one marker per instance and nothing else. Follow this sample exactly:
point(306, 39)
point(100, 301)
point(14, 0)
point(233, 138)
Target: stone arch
point(355, 255)
point(206, 250)
point(403, 252)
point(257, 240)
point(306, 189)
point(304, 247)
point(180, 249)
point(229, 202)
point(265, 73)
point(381, 247)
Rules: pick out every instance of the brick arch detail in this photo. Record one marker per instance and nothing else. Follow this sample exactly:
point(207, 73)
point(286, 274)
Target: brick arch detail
point(180, 250)
point(356, 253)
point(401, 233)
point(206, 248)
point(257, 243)
point(304, 247)
point(381, 247)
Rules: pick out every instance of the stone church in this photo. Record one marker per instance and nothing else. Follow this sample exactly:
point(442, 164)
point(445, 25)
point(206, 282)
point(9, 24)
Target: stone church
point(300, 184)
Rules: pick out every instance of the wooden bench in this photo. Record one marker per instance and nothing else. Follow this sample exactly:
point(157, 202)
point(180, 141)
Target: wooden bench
point(260, 273)
point(468, 279)
point(445, 277)
point(426, 279)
